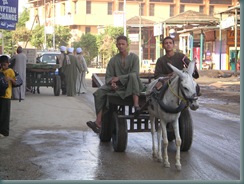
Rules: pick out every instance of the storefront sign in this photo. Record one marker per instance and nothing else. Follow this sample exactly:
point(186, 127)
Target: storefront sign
point(228, 22)
point(8, 14)
point(158, 29)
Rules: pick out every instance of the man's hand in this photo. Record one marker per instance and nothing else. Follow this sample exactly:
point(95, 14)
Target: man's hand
point(114, 80)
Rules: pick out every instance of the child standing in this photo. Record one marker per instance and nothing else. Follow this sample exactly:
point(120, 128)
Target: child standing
point(5, 101)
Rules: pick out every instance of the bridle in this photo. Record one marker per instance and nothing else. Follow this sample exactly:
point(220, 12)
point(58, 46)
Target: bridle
point(184, 101)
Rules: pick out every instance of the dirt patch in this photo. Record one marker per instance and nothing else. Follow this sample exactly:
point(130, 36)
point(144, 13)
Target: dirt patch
point(222, 85)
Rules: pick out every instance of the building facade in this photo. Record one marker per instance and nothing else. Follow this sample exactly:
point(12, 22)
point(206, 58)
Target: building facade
point(88, 16)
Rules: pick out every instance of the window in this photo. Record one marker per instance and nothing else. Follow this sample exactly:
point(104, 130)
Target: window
point(142, 6)
point(192, 1)
point(110, 8)
point(172, 10)
point(88, 7)
point(211, 10)
point(151, 10)
point(201, 9)
point(88, 30)
point(121, 6)
point(220, 2)
point(182, 8)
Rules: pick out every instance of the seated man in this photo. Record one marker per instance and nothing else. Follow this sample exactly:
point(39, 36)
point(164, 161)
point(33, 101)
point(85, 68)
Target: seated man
point(122, 78)
point(177, 59)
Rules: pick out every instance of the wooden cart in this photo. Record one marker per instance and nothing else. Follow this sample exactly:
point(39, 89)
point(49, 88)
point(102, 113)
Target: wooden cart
point(38, 75)
point(118, 120)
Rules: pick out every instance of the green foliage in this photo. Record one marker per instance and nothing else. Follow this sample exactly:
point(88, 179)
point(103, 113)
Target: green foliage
point(107, 43)
point(21, 34)
point(37, 37)
point(23, 18)
point(8, 44)
point(62, 37)
point(89, 47)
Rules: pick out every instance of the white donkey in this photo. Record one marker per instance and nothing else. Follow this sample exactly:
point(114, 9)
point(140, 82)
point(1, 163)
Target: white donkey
point(166, 104)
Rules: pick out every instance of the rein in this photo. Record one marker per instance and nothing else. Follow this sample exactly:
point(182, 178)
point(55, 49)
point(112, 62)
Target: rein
point(159, 96)
point(181, 98)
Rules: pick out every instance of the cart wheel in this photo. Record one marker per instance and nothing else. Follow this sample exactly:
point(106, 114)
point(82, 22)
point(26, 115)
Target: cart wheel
point(119, 134)
point(56, 85)
point(186, 129)
point(106, 129)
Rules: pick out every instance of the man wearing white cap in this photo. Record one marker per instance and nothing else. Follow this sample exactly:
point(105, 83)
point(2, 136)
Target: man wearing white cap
point(81, 77)
point(70, 69)
point(60, 61)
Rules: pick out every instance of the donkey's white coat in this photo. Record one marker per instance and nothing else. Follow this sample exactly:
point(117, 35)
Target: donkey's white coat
point(177, 91)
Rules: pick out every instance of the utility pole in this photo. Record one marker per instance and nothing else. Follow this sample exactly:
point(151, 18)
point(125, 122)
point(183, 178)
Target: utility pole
point(124, 17)
point(45, 20)
point(53, 25)
point(140, 53)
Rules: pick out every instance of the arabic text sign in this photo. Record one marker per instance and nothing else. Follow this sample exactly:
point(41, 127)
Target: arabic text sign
point(7, 25)
point(9, 10)
point(8, 14)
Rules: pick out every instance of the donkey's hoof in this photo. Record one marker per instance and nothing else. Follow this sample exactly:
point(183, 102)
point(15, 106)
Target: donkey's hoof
point(154, 155)
point(160, 160)
point(178, 167)
point(167, 164)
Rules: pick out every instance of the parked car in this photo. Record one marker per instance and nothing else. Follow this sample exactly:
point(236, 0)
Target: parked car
point(48, 58)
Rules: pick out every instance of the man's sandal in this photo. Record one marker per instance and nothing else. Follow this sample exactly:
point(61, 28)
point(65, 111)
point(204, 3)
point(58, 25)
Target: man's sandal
point(93, 126)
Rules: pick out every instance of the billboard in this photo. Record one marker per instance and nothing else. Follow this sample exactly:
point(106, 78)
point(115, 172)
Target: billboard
point(8, 14)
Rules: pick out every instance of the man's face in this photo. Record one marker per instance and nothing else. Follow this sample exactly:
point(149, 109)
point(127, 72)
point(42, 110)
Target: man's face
point(122, 45)
point(168, 45)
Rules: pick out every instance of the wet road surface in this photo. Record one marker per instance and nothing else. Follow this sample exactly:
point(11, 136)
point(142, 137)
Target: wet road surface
point(68, 150)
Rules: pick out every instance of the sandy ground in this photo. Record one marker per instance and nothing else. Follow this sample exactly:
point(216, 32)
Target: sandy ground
point(220, 85)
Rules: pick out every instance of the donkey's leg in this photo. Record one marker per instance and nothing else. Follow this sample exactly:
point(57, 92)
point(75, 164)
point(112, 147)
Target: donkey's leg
point(159, 137)
point(178, 144)
point(152, 121)
point(166, 143)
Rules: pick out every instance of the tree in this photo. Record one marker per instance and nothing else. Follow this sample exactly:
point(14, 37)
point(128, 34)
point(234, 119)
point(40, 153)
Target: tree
point(107, 43)
point(37, 37)
point(88, 43)
point(62, 37)
point(20, 34)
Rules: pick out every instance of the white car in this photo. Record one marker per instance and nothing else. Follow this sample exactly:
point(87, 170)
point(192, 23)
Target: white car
point(48, 58)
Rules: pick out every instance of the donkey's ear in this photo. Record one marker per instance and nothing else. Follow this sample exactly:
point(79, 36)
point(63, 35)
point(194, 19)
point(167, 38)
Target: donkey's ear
point(191, 67)
point(176, 70)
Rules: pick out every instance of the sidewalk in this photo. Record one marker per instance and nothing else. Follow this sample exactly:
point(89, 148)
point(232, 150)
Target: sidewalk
point(46, 111)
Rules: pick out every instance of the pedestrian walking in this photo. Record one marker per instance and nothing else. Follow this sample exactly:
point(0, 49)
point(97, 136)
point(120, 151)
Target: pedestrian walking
point(70, 69)
point(60, 60)
point(81, 77)
point(18, 63)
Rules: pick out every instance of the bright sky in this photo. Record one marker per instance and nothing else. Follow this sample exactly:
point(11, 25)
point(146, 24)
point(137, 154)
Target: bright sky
point(22, 3)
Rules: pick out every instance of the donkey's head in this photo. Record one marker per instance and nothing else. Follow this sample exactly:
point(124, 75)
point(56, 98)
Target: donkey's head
point(188, 85)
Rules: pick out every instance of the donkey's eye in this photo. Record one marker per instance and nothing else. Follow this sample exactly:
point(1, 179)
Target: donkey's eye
point(186, 89)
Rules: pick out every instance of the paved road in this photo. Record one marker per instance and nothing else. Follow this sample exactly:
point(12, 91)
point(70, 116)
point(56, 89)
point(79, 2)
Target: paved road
point(50, 140)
